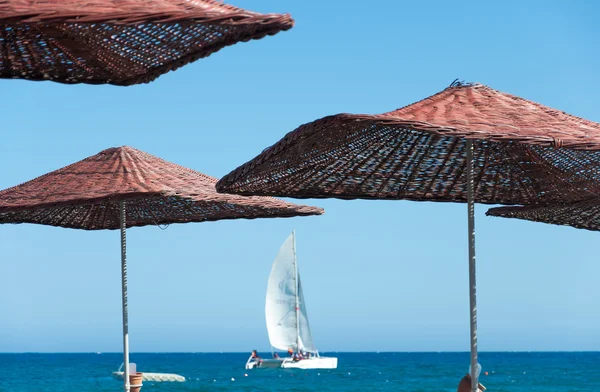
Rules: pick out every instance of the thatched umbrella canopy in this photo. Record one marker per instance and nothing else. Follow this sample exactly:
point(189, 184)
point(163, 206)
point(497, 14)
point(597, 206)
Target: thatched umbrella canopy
point(419, 152)
point(87, 195)
point(467, 143)
point(120, 42)
point(124, 187)
point(581, 215)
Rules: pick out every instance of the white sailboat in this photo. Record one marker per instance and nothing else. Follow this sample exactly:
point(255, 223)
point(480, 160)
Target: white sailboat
point(287, 320)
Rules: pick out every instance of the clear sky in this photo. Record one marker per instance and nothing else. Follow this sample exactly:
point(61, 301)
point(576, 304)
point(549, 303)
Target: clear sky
point(376, 275)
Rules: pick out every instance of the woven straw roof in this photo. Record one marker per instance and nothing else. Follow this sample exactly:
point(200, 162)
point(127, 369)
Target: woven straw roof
point(581, 215)
point(419, 153)
point(86, 195)
point(120, 42)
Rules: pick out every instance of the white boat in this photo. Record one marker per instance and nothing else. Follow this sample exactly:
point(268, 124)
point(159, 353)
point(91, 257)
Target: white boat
point(287, 320)
point(155, 377)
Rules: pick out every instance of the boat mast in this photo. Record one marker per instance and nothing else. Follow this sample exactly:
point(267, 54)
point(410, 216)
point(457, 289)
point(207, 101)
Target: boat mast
point(297, 289)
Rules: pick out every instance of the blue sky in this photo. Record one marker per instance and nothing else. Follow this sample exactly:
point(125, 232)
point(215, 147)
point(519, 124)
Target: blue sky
point(376, 275)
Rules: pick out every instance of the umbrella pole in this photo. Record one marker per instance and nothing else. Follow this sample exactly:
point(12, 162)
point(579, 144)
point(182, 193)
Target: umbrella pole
point(124, 296)
point(472, 274)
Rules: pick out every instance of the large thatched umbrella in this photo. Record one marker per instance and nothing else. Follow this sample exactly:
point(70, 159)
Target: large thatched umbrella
point(124, 187)
point(120, 42)
point(468, 143)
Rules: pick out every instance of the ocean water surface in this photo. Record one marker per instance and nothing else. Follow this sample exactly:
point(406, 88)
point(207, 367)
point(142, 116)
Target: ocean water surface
point(514, 372)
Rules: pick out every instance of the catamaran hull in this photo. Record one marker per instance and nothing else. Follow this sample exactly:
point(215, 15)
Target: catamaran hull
point(287, 363)
point(264, 364)
point(311, 363)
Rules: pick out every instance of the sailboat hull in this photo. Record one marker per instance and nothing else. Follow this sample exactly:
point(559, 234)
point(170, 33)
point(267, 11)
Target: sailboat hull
point(264, 364)
point(311, 363)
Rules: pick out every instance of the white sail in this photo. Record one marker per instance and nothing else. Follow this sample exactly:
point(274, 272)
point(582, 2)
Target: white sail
point(306, 341)
point(280, 307)
point(286, 326)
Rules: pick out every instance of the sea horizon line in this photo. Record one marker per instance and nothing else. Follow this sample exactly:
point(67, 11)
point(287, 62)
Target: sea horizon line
point(336, 352)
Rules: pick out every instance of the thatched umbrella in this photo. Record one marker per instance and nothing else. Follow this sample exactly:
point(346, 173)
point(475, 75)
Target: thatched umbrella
point(581, 215)
point(468, 143)
point(124, 187)
point(120, 42)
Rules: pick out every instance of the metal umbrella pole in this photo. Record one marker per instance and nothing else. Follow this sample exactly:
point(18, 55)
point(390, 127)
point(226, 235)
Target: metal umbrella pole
point(472, 271)
point(124, 295)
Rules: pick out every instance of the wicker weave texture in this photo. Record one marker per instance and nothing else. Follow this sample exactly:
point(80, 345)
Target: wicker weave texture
point(121, 42)
point(419, 153)
point(582, 215)
point(86, 195)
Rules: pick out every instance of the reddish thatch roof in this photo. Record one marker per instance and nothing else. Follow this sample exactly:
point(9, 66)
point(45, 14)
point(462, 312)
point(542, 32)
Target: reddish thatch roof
point(482, 113)
point(419, 153)
point(86, 195)
point(581, 215)
point(120, 42)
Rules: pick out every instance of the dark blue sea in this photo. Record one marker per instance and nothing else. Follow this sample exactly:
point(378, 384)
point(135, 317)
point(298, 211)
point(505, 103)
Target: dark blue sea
point(427, 372)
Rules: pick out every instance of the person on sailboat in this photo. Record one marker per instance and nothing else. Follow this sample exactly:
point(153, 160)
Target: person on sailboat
point(254, 359)
point(290, 352)
point(297, 356)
